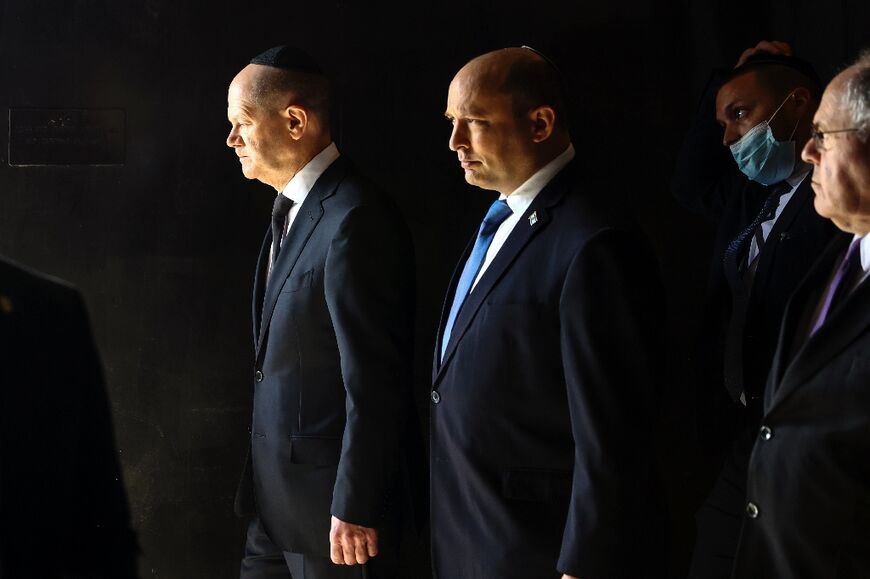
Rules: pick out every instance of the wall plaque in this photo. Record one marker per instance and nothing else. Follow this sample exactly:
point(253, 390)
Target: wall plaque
point(66, 136)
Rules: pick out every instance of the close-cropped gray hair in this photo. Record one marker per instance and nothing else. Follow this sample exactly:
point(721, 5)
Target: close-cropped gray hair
point(856, 95)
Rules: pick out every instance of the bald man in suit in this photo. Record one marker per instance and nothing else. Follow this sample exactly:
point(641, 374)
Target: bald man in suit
point(546, 373)
point(333, 317)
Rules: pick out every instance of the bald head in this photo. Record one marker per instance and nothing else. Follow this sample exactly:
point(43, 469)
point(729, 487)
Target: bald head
point(271, 87)
point(522, 74)
point(505, 107)
point(840, 150)
point(278, 122)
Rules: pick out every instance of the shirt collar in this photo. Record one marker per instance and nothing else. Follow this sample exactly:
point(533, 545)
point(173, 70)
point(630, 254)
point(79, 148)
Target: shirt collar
point(303, 181)
point(864, 248)
point(797, 178)
point(523, 195)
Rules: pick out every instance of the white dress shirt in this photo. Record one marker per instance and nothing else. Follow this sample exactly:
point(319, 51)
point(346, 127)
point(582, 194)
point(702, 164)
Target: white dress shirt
point(519, 201)
point(303, 181)
point(864, 248)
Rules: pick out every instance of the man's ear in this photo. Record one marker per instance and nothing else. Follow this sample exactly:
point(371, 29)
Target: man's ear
point(296, 118)
point(543, 119)
point(803, 101)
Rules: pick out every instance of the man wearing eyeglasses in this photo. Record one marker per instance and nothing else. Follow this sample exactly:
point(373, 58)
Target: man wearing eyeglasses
point(808, 490)
point(757, 191)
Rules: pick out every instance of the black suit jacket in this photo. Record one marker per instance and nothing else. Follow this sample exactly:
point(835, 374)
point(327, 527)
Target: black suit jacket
point(543, 407)
point(333, 340)
point(743, 323)
point(809, 473)
point(63, 508)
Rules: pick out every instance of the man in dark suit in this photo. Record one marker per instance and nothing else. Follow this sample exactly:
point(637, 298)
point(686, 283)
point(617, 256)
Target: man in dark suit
point(63, 508)
point(808, 508)
point(767, 237)
point(333, 327)
point(546, 365)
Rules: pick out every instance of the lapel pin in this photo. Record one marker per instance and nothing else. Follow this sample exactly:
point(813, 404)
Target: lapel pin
point(533, 218)
point(5, 305)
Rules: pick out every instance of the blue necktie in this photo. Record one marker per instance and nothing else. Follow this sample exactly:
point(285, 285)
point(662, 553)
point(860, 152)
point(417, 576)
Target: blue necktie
point(498, 212)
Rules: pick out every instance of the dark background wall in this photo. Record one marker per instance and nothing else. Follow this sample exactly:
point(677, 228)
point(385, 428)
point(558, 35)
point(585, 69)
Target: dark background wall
point(163, 245)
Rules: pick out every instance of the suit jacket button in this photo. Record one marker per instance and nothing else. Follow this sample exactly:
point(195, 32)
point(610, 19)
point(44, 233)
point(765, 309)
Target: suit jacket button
point(766, 433)
point(752, 510)
point(258, 376)
point(436, 397)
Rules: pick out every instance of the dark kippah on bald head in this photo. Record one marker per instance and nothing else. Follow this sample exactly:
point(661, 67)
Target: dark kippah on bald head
point(292, 76)
point(288, 58)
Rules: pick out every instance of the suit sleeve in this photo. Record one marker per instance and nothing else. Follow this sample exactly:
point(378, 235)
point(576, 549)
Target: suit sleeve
point(369, 284)
point(611, 312)
point(705, 176)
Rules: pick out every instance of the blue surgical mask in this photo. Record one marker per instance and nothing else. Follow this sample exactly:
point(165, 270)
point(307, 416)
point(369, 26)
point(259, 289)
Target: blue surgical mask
point(761, 157)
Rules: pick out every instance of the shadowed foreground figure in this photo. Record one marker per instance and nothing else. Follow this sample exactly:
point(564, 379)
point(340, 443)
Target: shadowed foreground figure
point(63, 509)
point(547, 359)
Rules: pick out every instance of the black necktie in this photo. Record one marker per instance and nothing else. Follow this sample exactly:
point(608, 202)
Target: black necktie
point(280, 210)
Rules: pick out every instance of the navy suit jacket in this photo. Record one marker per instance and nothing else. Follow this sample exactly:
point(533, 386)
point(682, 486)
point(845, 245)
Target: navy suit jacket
point(333, 341)
point(809, 476)
point(543, 407)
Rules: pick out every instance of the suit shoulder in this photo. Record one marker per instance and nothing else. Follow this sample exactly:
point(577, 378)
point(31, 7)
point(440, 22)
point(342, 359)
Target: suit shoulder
point(358, 187)
point(591, 208)
point(41, 299)
point(355, 192)
point(22, 280)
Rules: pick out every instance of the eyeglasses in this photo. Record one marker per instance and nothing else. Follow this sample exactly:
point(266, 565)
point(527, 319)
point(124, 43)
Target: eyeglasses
point(818, 136)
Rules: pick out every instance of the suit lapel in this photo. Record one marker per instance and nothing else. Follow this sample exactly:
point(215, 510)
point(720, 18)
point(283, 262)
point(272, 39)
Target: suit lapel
point(445, 306)
point(303, 226)
point(523, 232)
point(792, 327)
point(260, 286)
point(844, 324)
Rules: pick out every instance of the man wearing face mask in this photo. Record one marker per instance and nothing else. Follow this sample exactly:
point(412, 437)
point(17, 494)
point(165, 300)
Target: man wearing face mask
point(757, 191)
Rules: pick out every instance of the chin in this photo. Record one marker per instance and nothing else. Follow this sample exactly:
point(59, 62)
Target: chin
point(476, 180)
point(821, 207)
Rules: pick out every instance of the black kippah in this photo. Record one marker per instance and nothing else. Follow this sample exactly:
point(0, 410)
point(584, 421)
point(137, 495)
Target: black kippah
point(288, 58)
point(761, 57)
point(544, 57)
